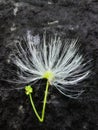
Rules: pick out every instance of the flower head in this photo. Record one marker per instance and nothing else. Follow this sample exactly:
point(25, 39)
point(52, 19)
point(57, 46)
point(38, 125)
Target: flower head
point(60, 63)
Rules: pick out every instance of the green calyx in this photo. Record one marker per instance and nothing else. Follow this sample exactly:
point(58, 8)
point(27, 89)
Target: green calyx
point(48, 75)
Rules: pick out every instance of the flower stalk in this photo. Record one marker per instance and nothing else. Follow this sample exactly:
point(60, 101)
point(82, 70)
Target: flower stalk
point(40, 118)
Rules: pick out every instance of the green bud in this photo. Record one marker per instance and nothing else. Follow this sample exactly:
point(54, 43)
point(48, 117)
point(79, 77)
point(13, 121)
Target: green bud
point(28, 89)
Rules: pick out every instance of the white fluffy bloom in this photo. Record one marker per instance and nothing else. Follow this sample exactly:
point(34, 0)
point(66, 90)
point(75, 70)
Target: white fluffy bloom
point(60, 63)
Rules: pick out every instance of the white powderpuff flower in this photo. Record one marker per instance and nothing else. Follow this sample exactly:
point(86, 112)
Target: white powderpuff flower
point(60, 63)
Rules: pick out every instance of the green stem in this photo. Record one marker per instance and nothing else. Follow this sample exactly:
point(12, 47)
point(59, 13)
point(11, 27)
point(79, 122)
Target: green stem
point(40, 118)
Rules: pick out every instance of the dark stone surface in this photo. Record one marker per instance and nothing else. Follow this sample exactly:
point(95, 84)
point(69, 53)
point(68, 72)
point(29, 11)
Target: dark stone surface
point(72, 18)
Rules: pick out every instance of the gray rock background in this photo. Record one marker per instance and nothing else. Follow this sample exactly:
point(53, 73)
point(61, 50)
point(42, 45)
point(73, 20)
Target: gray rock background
point(70, 18)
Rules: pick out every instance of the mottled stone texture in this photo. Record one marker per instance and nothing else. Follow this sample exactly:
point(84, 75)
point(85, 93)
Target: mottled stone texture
point(70, 18)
